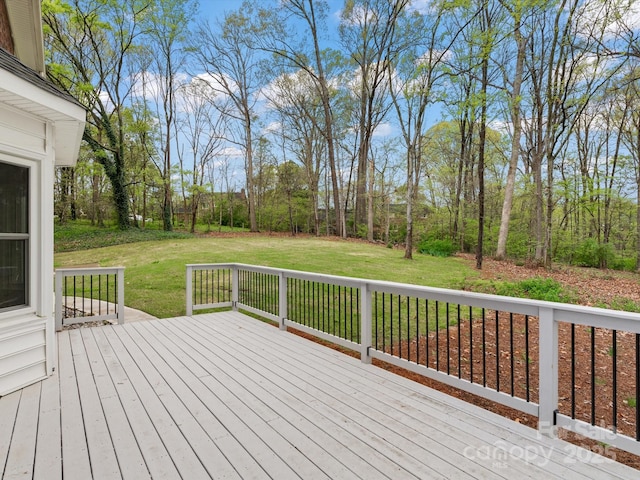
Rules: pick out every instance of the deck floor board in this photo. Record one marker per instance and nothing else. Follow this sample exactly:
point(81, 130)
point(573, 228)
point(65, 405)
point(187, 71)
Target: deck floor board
point(226, 396)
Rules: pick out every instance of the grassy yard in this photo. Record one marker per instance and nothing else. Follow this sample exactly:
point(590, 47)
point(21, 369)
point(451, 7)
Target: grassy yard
point(155, 270)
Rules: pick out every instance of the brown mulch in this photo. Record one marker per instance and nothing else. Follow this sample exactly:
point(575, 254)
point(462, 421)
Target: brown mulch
point(491, 365)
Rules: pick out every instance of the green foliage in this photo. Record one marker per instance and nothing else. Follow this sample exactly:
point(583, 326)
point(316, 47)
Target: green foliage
point(437, 248)
point(623, 304)
point(536, 288)
point(80, 235)
point(625, 264)
point(590, 253)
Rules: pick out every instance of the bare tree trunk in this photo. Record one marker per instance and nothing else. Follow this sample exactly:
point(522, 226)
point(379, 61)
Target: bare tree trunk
point(481, 151)
point(408, 248)
point(370, 200)
point(251, 197)
point(507, 205)
point(637, 220)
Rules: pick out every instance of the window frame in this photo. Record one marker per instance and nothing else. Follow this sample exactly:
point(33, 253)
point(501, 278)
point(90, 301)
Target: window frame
point(27, 237)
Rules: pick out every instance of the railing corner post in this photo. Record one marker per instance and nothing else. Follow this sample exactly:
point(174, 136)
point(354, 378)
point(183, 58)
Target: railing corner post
point(548, 374)
point(189, 291)
point(58, 307)
point(282, 300)
point(365, 323)
point(120, 280)
point(234, 288)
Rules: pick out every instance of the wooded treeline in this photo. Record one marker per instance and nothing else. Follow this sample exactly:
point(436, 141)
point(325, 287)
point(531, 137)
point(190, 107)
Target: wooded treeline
point(507, 127)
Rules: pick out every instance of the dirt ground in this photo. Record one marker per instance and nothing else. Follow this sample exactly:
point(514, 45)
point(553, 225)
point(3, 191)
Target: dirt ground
point(592, 288)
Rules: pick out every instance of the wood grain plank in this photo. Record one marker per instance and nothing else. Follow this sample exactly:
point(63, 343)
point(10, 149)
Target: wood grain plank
point(149, 387)
point(127, 450)
point(23, 445)
point(345, 445)
point(386, 442)
point(48, 455)
point(75, 452)
point(8, 411)
point(154, 451)
point(371, 403)
point(252, 399)
point(102, 455)
point(251, 457)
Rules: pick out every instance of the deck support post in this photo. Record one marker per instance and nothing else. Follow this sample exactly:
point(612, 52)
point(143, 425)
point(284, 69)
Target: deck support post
point(282, 299)
point(365, 323)
point(548, 375)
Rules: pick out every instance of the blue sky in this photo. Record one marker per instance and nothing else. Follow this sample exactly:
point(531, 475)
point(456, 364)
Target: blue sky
point(214, 9)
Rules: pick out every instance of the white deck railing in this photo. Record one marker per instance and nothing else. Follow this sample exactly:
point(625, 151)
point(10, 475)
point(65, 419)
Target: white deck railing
point(88, 295)
point(352, 312)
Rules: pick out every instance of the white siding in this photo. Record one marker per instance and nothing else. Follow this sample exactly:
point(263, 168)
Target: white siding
point(27, 344)
point(22, 352)
point(20, 131)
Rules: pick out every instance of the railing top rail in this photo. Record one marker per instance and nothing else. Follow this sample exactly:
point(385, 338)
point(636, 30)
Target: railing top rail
point(88, 270)
point(593, 316)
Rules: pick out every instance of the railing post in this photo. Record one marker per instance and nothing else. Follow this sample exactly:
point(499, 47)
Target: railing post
point(365, 323)
point(234, 288)
point(189, 293)
point(282, 299)
point(548, 375)
point(120, 280)
point(59, 308)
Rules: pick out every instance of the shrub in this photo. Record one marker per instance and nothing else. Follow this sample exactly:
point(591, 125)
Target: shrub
point(624, 304)
point(590, 253)
point(623, 263)
point(536, 288)
point(437, 248)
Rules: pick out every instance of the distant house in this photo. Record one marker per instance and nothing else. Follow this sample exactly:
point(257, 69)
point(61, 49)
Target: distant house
point(40, 128)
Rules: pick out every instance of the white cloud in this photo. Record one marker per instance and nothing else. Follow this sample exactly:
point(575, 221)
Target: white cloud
point(501, 126)
point(106, 101)
point(273, 127)
point(383, 130)
point(231, 152)
point(150, 86)
point(614, 18)
point(218, 83)
point(287, 89)
point(421, 6)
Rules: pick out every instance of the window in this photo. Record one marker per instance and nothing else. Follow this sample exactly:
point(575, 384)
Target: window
point(14, 236)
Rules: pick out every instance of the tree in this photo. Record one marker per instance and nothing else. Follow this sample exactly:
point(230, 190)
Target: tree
point(368, 31)
point(565, 72)
point(276, 33)
point(289, 183)
point(295, 98)
point(516, 12)
point(90, 45)
point(413, 77)
point(202, 128)
point(631, 138)
point(229, 60)
point(167, 31)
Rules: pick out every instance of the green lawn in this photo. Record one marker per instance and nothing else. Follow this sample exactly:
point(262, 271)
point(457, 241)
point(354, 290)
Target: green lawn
point(155, 270)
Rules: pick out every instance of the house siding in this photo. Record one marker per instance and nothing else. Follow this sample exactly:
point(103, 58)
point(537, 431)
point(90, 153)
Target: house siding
point(6, 41)
point(23, 353)
point(27, 342)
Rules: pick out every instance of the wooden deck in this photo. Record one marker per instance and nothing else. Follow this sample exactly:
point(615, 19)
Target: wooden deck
point(225, 396)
